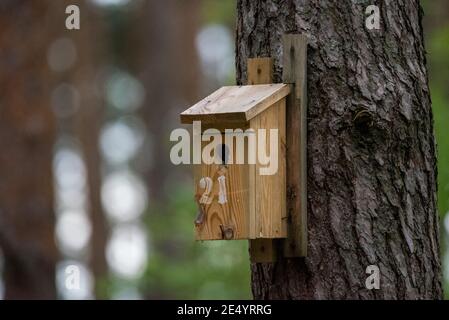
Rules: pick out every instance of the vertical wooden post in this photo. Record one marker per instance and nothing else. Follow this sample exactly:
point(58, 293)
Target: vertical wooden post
point(260, 71)
point(295, 73)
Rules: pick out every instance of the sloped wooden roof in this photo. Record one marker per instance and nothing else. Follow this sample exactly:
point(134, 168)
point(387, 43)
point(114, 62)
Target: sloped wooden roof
point(235, 104)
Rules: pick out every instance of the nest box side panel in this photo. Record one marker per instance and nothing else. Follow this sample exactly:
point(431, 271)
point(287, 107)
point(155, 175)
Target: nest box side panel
point(295, 73)
point(270, 190)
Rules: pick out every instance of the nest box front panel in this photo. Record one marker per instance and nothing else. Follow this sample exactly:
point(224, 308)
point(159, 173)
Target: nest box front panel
point(222, 195)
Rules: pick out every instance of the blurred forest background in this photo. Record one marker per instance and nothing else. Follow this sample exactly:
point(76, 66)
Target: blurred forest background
point(97, 190)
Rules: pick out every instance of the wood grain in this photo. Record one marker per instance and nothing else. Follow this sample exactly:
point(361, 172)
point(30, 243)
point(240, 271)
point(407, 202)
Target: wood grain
point(270, 189)
point(235, 103)
point(295, 73)
point(260, 71)
point(232, 214)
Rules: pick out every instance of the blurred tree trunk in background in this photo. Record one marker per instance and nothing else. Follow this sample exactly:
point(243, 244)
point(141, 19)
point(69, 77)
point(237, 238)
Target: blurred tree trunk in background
point(88, 123)
point(170, 73)
point(85, 124)
point(163, 56)
point(436, 14)
point(371, 183)
point(26, 140)
point(156, 44)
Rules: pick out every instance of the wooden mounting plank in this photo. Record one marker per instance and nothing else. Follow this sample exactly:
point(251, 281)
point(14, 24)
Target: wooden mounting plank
point(295, 73)
point(235, 103)
point(260, 71)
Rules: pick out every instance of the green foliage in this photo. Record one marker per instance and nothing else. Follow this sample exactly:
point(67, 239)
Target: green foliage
point(180, 268)
point(438, 56)
point(220, 12)
point(441, 115)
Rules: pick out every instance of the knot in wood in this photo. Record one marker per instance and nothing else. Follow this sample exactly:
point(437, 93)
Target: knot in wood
point(227, 232)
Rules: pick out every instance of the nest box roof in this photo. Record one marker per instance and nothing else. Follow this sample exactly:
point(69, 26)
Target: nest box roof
point(235, 104)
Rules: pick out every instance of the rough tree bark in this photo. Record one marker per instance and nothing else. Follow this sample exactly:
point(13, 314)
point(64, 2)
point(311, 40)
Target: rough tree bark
point(26, 140)
point(371, 177)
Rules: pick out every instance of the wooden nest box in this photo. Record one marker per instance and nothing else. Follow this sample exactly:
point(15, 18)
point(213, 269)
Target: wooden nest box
point(240, 184)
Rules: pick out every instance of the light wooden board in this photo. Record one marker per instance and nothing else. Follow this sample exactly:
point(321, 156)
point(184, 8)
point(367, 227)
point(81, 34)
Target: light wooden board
point(235, 103)
point(295, 73)
point(270, 189)
point(233, 213)
point(260, 71)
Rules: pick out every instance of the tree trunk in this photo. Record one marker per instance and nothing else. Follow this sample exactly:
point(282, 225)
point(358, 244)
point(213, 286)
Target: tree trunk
point(88, 122)
point(371, 150)
point(170, 74)
point(26, 140)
